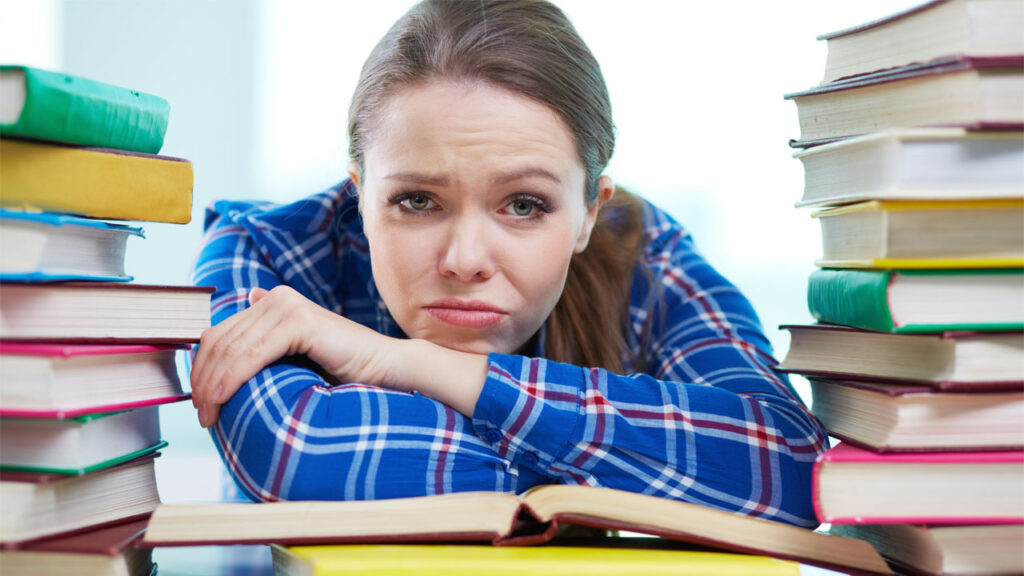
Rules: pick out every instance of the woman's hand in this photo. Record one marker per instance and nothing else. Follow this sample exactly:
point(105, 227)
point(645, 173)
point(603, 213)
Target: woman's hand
point(282, 322)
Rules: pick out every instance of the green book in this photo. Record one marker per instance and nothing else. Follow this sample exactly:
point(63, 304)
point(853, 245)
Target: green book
point(914, 301)
point(42, 105)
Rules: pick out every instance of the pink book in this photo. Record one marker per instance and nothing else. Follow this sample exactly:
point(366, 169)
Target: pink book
point(852, 485)
point(43, 380)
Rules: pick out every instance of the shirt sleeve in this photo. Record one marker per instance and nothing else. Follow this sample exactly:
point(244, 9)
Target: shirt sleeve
point(714, 424)
point(287, 434)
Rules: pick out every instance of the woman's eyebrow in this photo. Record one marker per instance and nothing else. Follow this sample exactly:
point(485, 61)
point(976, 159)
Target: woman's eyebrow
point(419, 178)
point(532, 172)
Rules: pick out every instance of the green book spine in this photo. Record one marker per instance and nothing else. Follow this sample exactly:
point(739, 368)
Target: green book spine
point(75, 110)
point(851, 297)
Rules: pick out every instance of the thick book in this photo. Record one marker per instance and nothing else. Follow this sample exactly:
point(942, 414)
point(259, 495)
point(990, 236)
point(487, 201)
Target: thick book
point(108, 551)
point(38, 506)
point(925, 32)
point(888, 417)
point(851, 485)
point(944, 550)
point(945, 361)
point(95, 182)
point(69, 380)
point(46, 247)
point(502, 519)
point(909, 301)
point(925, 234)
point(914, 164)
point(979, 93)
point(80, 445)
point(469, 560)
point(107, 312)
point(43, 105)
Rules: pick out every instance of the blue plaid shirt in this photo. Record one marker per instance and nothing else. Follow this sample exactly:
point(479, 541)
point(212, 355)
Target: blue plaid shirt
point(709, 421)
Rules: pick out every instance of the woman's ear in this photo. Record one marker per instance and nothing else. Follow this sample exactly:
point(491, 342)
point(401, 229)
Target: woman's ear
point(605, 191)
point(353, 172)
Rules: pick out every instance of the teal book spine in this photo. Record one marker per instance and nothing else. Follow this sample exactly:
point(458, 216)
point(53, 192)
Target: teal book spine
point(75, 110)
point(851, 297)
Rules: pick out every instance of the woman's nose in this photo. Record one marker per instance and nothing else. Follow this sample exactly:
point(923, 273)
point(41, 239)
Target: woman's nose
point(467, 257)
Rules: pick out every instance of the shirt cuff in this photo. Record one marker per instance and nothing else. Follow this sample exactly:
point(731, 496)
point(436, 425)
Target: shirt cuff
point(529, 409)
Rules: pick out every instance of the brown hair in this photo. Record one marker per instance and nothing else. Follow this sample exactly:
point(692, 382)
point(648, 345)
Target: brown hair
point(529, 47)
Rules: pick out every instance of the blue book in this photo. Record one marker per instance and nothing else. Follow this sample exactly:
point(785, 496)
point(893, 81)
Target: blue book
point(48, 247)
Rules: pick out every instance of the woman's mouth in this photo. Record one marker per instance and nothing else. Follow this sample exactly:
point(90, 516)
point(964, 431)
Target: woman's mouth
point(466, 313)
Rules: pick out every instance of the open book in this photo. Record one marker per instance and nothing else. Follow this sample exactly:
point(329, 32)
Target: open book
point(504, 520)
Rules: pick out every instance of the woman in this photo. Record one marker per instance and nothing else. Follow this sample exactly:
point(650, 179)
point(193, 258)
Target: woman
point(477, 307)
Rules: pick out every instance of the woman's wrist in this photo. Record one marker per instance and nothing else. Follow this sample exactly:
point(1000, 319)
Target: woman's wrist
point(448, 376)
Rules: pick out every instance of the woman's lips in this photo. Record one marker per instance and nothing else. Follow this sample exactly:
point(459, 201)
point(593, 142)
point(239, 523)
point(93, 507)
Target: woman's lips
point(466, 313)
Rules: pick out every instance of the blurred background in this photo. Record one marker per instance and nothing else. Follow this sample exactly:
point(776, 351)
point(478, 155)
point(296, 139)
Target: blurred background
point(259, 91)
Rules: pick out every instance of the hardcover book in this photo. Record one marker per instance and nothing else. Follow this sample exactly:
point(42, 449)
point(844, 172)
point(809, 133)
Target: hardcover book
point(44, 105)
point(914, 164)
point(107, 312)
point(908, 301)
point(78, 445)
point(948, 550)
point(891, 234)
point(467, 560)
point(856, 486)
point(502, 519)
point(946, 361)
point(65, 381)
point(926, 32)
point(887, 417)
point(979, 93)
point(94, 182)
point(45, 247)
point(106, 551)
point(38, 506)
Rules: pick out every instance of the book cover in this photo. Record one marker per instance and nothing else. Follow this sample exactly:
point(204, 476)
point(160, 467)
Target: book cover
point(95, 182)
point(39, 380)
point(447, 560)
point(106, 550)
point(104, 312)
point(852, 485)
point(971, 92)
point(502, 519)
point(48, 247)
point(43, 105)
point(914, 301)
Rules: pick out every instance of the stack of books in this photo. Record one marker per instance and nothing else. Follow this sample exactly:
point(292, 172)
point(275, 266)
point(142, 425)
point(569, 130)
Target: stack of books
point(86, 356)
point(913, 155)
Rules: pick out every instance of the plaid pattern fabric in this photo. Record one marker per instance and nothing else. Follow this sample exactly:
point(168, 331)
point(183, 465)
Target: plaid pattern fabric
point(706, 421)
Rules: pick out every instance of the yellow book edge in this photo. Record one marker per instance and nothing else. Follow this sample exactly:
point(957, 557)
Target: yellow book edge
point(922, 263)
point(904, 205)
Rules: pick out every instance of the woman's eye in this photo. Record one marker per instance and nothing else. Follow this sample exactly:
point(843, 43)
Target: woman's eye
point(417, 202)
point(522, 207)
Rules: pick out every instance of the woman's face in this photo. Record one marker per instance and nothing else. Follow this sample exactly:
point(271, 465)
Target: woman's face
point(472, 200)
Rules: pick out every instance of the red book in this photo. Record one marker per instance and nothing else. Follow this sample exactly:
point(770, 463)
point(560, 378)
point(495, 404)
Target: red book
point(856, 486)
point(68, 380)
point(109, 550)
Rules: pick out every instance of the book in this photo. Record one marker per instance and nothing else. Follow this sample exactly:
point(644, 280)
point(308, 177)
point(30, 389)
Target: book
point(38, 506)
point(887, 417)
point(980, 93)
point(950, 550)
point(945, 361)
point(94, 182)
point(78, 445)
point(937, 234)
point(43, 105)
point(106, 551)
point(909, 301)
point(851, 485)
point(44, 247)
point(64, 381)
point(502, 519)
point(468, 560)
point(111, 312)
point(914, 164)
point(926, 32)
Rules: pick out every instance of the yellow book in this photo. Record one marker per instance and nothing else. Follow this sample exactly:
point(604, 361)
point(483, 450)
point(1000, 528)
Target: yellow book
point(923, 234)
point(95, 182)
point(451, 560)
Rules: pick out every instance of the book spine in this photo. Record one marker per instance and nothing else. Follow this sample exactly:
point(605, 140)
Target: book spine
point(857, 298)
point(64, 108)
